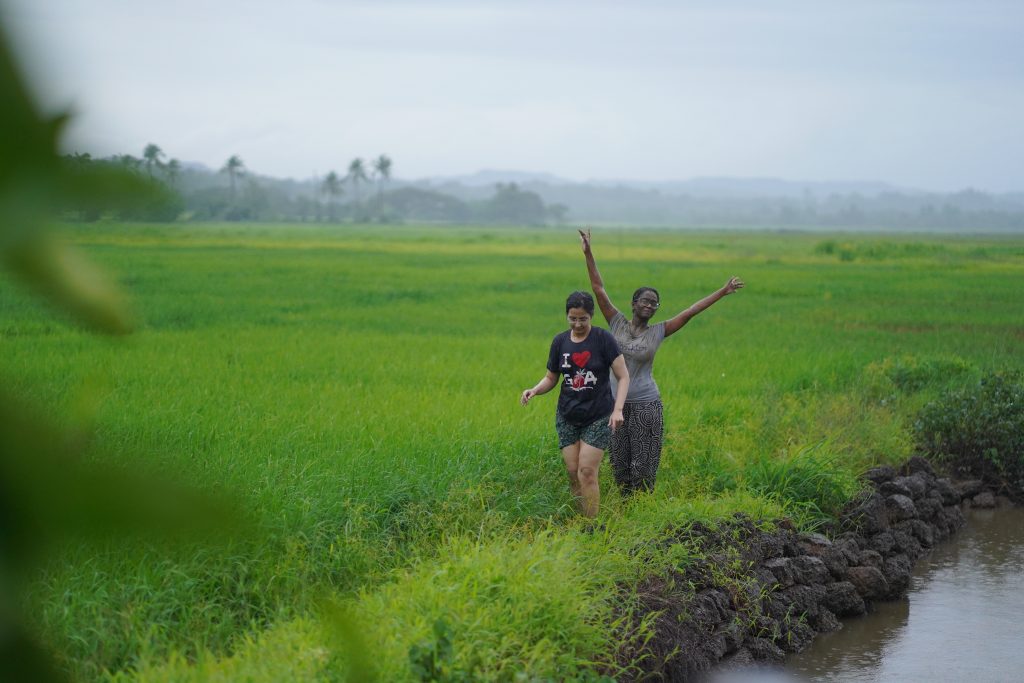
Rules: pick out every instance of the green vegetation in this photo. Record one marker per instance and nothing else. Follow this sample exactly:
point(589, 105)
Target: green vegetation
point(173, 193)
point(979, 430)
point(355, 388)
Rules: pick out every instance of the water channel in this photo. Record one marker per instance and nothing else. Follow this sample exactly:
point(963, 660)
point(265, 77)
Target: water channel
point(962, 619)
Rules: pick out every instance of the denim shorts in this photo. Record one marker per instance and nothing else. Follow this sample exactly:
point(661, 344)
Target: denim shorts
point(597, 434)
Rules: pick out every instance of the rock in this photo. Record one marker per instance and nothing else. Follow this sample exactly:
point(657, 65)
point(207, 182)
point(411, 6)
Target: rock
point(919, 465)
point(739, 660)
point(747, 591)
point(733, 632)
point(714, 647)
point(870, 558)
point(906, 544)
point(922, 531)
point(849, 550)
point(766, 578)
point(952, 517)
point(842, 599)
point(711, 606)
point(867, 516)
point(796, 636)
point(800, 601)
point(916, 484)
point(880, 475)
point(869, 582)
point(825, 621)
point(950, 496)
point(836, 563)
point(928, 508)
point(763, 626)
point(895, 488)
point(897, 574)
point(763, 650)
point(900, 507)
point(819, 546)
point(883, 543)
point(782, 569)
point(970, 488)
point(985, 500)
point(809, 570)
point(813, 544)
point(773, 545)
point(849, 537)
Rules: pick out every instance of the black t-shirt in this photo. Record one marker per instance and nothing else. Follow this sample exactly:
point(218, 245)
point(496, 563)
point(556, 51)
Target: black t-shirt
point(584, 368)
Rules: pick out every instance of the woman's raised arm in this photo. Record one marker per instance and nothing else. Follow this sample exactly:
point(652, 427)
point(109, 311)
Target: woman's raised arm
point(596, 283)
point(673, 324)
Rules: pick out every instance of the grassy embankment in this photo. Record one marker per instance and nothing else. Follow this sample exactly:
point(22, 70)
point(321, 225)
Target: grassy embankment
point(356, 389)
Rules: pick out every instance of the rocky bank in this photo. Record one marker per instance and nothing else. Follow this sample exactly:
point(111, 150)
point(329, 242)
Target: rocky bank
point(757, 593)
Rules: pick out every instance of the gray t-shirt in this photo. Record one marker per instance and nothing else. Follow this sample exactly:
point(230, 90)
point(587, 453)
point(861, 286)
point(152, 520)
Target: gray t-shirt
point(638, 351)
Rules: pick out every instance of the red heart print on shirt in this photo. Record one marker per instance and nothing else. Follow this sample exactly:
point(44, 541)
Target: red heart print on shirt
point(580, 359)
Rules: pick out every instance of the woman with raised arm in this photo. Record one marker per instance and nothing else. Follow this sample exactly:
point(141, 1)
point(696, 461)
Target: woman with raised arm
point(636, 447)
point(579, 360)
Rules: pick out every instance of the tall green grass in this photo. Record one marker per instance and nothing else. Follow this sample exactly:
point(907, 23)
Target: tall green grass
point(355, 387)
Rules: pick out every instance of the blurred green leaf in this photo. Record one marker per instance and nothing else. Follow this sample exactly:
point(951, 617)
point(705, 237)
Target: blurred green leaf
point(347, 642)
point(49, 495)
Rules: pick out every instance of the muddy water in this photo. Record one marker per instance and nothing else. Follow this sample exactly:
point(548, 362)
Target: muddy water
point(963, 619)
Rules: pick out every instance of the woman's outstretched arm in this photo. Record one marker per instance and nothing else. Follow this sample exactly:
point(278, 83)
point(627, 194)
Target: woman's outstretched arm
point(546, 384)
point(596, 283)
point(672, 325)
point(622, 378)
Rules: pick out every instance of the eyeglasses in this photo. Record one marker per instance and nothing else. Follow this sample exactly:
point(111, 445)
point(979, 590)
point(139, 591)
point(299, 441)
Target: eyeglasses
point(648, 302)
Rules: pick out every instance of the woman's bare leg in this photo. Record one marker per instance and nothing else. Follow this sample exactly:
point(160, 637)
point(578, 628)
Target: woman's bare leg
point(571, 456)
point(589, 463)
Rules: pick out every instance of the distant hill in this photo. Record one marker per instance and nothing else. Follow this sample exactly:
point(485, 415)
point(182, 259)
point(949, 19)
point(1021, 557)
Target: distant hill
point(749, 202)
point(755, 187)
point(490, 178)
point(718, 187)
point(533, 198)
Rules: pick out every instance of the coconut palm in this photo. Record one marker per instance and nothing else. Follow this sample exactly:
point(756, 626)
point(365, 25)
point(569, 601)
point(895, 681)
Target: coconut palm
point(173, 170)
point(332, 187)
point(356, 175)
point(381, 173)
point(152, 155)
point(235, 168)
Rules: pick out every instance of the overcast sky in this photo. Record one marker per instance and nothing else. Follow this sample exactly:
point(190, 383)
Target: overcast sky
point(924, 94)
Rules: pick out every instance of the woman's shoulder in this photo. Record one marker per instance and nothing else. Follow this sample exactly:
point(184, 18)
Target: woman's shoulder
point(560, 337)
point(605, 336)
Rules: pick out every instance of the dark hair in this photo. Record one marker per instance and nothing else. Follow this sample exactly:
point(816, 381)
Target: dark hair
point(580, 300)
point(637, 293)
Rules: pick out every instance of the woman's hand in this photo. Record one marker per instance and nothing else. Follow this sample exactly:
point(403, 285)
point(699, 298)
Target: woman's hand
point(732, 285)
point(616, 420)
point(585, 239)
point(527, 395)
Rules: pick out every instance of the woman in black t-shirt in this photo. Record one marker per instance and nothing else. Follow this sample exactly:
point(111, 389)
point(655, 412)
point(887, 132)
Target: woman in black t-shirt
point(580, 359)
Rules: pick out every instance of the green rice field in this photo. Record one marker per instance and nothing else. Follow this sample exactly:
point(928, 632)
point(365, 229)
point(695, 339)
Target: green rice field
point(354, 390)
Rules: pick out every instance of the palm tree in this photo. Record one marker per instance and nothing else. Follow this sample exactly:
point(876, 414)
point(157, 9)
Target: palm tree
point(235, 169)
point(332, 187)
point(381, 173)
point(356, 174)
point(152, 155)
point(173, 170)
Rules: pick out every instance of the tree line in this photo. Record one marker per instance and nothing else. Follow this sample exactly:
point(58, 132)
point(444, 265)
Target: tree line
point(179, 192)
